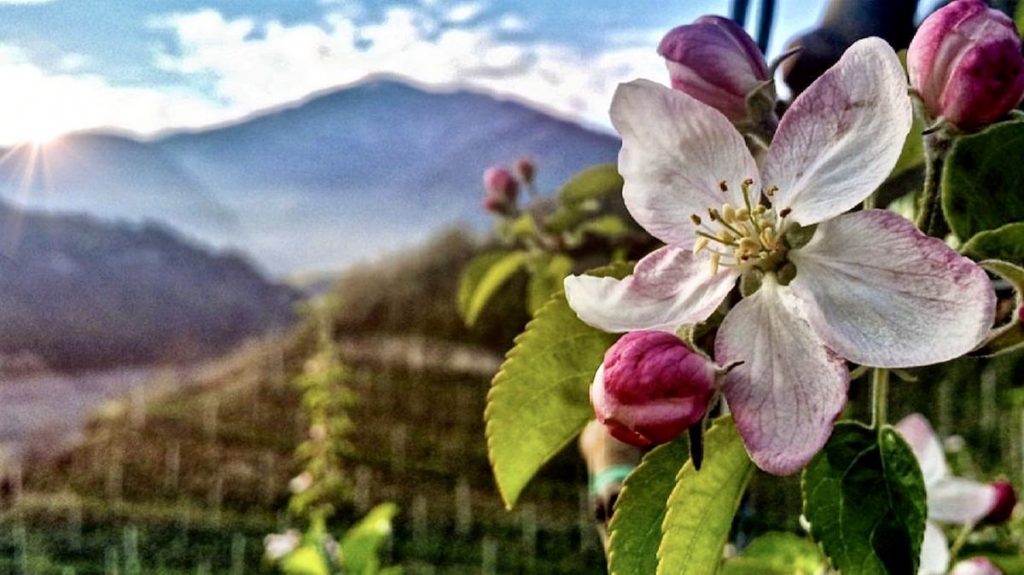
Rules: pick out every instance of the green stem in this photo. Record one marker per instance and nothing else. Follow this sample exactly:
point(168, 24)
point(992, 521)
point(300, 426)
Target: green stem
point(879, 397)
point(958, 544)
point(930, 218)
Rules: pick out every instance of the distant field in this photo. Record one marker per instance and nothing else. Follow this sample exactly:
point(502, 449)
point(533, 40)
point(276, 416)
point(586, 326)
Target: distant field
point(192, 483)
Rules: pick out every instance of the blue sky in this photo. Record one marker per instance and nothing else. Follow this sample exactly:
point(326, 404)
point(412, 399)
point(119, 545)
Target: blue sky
point(145, 66)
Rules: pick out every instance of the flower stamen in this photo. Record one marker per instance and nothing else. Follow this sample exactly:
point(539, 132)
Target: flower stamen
point(745, 236)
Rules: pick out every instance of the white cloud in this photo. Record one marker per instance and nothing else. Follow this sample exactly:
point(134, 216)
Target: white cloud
point(49, 103)
point(511, 23)
point(265, 64)
point(255, 65)
point(462, 13)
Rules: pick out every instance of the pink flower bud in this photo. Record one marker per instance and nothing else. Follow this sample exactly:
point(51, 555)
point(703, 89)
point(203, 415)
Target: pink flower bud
point(501, 190)
point(975, 566)
point(1006, 500)
point(525, 169)
point(651, 388)
point(965, 62)
point(715, 61)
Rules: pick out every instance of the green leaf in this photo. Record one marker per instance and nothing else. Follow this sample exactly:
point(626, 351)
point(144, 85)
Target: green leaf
point(610, 227)
point(1008, 271)
point(912, 155)
point(982, 180)
point(482, 278)
point(635, 528)
point(703, 503)
point(1018, 17)
point(593, 183)
point(864, 497)
point(777, 554)
point(361, 545)
point(1005, 243)
point(1008, 338)
point(547, 273)
point(538, 400)
point(306, 560)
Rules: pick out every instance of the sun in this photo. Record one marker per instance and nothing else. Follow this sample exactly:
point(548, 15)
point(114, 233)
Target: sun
point(43, 133)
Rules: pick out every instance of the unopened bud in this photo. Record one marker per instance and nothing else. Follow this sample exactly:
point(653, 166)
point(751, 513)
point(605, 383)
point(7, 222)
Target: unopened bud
point(965, 62)
point(717, 62)
point(501, 189)
point(278, 545)
point(976, 566)
point(1006, 500)
point(301, 482)
point(651, 388)
point(525, 170)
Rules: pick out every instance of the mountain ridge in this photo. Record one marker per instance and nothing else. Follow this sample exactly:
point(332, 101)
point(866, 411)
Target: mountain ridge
point(342, 176)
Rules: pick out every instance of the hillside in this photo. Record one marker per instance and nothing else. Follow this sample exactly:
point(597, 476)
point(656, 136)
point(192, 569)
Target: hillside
point(81, 293)
point(212, 479)
point(341, 177)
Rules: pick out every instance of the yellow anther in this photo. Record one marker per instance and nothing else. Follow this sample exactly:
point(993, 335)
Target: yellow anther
point(742, 214)
point(750, 246)
point(725, 237)
point(715, 258)
point(700, 244)
point(728, 213)
point(760, 210)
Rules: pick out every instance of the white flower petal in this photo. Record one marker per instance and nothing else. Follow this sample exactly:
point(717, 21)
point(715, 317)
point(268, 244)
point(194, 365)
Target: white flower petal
point(675, 151)
point(789, 389)
point(842, 136)
point(918, 433)
point(934, 551)
point(668, 289)
point(883, 294)
point(960, 501)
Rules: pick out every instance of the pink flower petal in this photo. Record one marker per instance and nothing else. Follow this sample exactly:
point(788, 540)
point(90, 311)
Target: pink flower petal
point(934, 551)
point(918, 433)
point(883, 294)
point(668, 289)
point(789, 390)
point(960, 501)
point(842, 136)
point(675, 152)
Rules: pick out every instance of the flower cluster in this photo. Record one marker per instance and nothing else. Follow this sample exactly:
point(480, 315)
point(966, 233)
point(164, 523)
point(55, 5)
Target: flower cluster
point(822, 284)
point(501, 186)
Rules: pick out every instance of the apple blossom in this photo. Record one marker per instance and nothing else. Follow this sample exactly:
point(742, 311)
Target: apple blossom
point(651, 388)
point(966, 64)
point(867, 286)
point(715, 61)
point(950, 499)
point(976, 566)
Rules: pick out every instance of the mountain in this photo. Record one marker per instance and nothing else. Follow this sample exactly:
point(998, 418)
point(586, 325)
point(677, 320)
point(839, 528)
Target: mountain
point(81, 293)
point(340, 177)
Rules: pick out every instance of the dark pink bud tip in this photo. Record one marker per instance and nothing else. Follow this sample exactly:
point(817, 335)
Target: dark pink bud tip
point(715, 61)
point(966, 64)
point(1006, 500)
point(526, 170)
point(651, 388)
point(501, 189)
